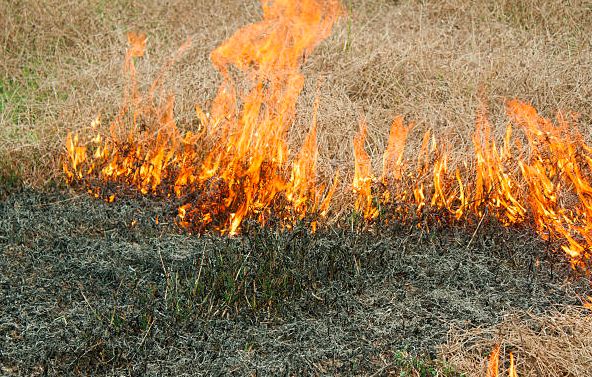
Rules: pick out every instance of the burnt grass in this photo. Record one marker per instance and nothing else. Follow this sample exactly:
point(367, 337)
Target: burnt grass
point(105, 289)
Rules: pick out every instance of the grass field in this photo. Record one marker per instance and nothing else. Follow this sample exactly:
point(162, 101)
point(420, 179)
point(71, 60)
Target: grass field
point(434, 62)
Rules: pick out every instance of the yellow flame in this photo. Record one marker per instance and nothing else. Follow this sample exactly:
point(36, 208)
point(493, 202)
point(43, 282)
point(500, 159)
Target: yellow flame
point(236, 165)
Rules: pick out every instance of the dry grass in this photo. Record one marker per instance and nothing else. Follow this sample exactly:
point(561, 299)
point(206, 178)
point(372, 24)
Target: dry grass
point(60, 65)
point(554, 344)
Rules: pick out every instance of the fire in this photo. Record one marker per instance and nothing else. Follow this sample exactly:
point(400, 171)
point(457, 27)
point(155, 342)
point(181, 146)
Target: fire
point(237, 165)
point(546, 183)
point(493, 364)
point(512, 371)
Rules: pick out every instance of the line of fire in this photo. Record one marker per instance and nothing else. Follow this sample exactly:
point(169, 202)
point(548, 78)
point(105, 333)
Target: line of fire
point(237, 165)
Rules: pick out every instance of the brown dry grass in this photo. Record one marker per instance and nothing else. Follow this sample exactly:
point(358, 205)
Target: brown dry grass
point(60, 65)
point(555, 344)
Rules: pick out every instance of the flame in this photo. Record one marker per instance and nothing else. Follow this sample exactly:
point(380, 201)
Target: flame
point(363, 175)
point(237, 166)
point(392, 160)
point(137, 43)
point(493, 363)
point(512, 371)
point(547, 183)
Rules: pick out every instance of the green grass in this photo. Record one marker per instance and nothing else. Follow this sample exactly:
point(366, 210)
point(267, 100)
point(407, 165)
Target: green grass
point(406, 365)
point(12, 99)
point(20, 98)
point(18, 93)
point(24, 104)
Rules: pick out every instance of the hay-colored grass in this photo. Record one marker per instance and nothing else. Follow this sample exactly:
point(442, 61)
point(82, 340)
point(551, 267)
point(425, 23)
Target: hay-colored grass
point(558, 343)
point(60, 65)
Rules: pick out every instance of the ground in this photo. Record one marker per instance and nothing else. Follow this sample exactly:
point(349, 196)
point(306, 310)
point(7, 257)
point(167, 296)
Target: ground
point(96, 288)
point(91, 288)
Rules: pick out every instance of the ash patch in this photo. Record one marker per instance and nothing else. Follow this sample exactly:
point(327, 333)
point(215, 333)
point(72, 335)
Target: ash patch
point(107, 289)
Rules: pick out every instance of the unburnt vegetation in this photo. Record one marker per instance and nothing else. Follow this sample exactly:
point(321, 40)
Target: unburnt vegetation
point(554, 344)
point(433, 62)
point(91, 288)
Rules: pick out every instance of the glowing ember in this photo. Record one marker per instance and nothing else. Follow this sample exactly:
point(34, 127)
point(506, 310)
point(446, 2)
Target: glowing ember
point(237, 166)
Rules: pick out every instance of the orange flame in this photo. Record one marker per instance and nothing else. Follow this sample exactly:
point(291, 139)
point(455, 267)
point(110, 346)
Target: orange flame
point(392, 160)
point(512, 371)
point(237, 164)
point(493, 364)
point(363, 175)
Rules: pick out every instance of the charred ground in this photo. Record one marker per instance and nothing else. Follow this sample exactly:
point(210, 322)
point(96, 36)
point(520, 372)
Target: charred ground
point(95, 288)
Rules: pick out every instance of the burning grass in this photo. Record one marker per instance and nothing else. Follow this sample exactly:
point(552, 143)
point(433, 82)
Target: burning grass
point(232, 167)
point(237, 164)
point(546, 185)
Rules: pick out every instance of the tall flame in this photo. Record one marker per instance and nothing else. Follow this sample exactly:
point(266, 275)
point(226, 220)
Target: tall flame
point(238, 166)
point(493, 362)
